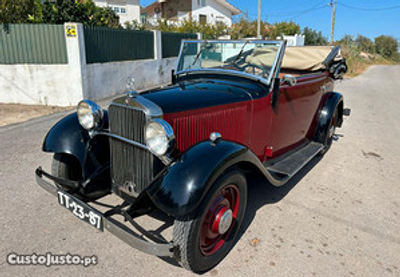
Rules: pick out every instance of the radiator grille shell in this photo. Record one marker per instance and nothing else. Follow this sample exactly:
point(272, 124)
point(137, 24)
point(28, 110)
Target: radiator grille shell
point(131, 167)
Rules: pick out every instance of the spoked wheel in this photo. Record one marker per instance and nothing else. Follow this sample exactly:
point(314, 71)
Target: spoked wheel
point(204, 238)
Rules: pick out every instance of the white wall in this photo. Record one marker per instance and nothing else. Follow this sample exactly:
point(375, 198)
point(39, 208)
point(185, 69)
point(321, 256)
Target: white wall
point(66, 85)
point(296, 40)
point(214, 11)
point(39, 85)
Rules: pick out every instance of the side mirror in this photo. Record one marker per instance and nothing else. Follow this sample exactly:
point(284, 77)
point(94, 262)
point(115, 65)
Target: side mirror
point(288, 79)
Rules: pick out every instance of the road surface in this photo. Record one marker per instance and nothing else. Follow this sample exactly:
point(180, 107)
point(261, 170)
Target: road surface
point(339, 217)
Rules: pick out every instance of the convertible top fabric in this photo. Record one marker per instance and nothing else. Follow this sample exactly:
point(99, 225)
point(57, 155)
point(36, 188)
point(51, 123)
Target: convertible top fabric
point(305, 58)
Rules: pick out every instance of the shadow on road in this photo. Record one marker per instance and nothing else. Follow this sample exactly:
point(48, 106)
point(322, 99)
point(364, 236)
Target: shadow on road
point(262, 193)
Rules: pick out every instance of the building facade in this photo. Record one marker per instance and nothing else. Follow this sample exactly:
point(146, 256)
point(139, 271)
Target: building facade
point(203, 11)
point(127, 10)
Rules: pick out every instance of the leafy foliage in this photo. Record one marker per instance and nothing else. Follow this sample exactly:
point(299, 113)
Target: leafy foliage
point(57, 12)
point(134, 25)
point(312, 37)
point(209, 31)
point(248, 29)
point(12, 11)
point(284, 28)
point(364, 44)
point(347, 40)
point(387, 47)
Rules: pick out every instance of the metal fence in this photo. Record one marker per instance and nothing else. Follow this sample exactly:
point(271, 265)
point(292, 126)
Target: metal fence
point(110, 45)
point(171, 43)
point(32, 44)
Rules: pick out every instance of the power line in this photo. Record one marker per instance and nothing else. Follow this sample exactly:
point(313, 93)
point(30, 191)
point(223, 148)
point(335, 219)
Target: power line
point(316, 6)
point(369, 9)
point(296, 14)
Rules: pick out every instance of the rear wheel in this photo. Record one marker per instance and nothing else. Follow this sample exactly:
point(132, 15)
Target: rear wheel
point(205, 237)
point(330, 133)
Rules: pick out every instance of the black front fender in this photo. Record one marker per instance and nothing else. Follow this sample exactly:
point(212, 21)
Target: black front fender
point(186, 182)
point(69, 137)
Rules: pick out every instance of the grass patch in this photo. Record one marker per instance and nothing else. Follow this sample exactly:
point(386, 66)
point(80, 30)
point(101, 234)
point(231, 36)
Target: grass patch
point(358, 62)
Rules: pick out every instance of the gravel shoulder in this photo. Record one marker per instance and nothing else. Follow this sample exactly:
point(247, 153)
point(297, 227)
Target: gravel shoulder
point(16, 113)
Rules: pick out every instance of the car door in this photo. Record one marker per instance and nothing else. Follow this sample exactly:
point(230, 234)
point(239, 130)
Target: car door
point(294, 112)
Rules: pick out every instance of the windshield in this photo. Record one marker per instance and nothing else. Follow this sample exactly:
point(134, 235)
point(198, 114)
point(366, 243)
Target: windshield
point(249, 57)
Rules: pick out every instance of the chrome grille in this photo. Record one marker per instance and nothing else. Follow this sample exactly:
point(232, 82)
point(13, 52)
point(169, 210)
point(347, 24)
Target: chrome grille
point(131, 166)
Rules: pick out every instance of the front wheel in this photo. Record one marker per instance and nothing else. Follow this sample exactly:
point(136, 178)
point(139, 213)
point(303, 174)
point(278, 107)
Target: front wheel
point(205, 237)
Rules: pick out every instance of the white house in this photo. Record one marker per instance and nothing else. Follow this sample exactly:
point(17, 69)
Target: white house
point(204, 11)
point(127, 10)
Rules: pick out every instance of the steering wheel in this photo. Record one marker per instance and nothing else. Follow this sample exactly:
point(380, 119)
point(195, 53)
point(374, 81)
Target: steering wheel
point(253, 69)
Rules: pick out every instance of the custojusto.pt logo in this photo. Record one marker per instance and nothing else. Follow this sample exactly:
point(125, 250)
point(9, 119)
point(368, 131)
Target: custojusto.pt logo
point(50, 259)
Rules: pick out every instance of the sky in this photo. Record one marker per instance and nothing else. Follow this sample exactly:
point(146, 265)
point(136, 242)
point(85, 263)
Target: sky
point(352, 16)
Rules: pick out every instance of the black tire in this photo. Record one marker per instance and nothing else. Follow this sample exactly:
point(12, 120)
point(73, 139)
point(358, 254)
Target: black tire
point(190, 252)
point(330, 133)
point(67, 167)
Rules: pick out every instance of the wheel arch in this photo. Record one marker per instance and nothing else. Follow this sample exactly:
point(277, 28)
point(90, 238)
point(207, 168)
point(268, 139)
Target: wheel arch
point(186, 182)
point(67, 136)
point(333, 102)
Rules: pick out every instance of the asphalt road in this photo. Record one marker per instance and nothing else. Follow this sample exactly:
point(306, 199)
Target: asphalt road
point(339, 217)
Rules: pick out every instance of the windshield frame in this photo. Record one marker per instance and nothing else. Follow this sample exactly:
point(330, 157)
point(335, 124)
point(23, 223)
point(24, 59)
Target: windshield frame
point(271, 76)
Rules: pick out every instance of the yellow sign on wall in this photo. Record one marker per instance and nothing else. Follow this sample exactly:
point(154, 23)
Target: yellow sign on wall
point(70, 30)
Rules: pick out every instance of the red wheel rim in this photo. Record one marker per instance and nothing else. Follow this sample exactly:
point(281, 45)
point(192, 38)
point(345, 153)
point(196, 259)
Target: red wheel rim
point(226, 199)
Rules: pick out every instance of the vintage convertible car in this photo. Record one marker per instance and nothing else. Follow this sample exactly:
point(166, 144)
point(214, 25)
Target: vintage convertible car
point(234, 108)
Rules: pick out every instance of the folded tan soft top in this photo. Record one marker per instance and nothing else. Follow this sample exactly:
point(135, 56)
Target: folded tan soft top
point(305, 58)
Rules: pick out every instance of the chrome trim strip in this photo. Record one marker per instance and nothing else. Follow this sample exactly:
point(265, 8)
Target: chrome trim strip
point(278, 60)
point(141, 103)
point(97, 133)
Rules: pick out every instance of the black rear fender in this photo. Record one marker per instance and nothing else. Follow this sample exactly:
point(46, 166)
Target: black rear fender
point(333, 102)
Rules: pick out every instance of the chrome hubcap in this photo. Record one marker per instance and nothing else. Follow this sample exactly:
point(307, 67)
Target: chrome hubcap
point(225, 222)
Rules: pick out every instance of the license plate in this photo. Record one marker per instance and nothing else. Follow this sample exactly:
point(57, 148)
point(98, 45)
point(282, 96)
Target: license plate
point(80, 210)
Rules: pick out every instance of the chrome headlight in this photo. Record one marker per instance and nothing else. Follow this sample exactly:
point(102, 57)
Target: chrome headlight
point(90, 115)
point(159, 137)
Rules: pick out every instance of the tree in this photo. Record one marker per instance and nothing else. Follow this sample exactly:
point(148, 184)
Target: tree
point(364, 44)
point(387, 47)
point(12, 11)
point(347, 40)
point(62, 11)
point(284, 28)
point(209, 31)
point(99, 16)
point(248, 29)
point(134, 25)
point(312, 37)
point(57, 12)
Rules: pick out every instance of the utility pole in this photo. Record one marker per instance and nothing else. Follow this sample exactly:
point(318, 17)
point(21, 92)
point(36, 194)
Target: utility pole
point(333, 15)
point(259, 20)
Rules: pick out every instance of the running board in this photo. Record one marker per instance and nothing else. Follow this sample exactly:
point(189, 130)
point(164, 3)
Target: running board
point(286, 168)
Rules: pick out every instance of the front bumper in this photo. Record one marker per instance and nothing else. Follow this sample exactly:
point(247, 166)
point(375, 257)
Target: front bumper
point(115, 227)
